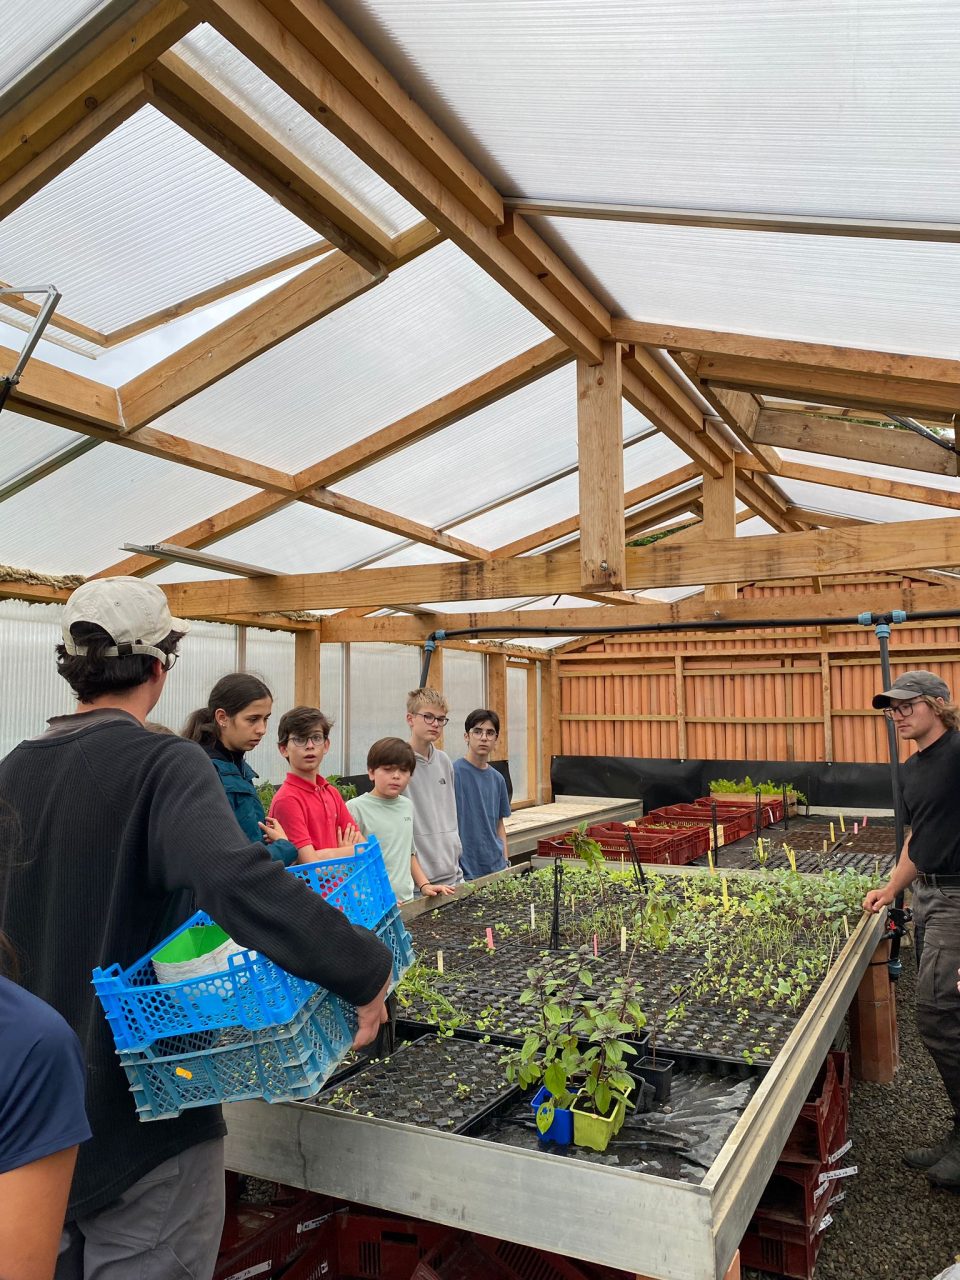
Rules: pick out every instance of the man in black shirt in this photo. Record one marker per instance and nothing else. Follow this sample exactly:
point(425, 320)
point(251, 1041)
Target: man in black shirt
point(120, 829)
point(920, 705)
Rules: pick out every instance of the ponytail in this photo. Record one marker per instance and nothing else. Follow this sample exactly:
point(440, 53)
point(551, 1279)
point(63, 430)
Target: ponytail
point(230, 694)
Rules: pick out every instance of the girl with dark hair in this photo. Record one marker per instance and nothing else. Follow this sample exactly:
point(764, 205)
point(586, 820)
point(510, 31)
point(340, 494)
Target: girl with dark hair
point(231, 724)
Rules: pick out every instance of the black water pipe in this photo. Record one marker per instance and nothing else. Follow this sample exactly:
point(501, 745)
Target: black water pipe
point(895, 964)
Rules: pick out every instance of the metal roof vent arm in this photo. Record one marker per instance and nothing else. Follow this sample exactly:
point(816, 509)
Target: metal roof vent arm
point(10, 380)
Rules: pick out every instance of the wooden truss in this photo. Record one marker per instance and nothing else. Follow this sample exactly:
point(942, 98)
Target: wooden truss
point(730, 402)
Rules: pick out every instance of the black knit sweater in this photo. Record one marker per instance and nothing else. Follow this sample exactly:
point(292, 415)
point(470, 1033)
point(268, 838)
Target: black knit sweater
point(119, 828)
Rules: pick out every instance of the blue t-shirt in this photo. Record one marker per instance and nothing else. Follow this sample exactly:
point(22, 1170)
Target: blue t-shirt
point(481, 803)
point(41, 1080)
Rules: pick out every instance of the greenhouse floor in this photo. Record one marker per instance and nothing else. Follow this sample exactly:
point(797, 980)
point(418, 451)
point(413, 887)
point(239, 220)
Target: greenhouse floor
point(892, 1222)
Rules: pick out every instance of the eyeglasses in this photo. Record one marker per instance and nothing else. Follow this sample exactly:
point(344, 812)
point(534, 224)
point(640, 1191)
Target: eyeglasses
point(428, 718)
point(171, 661)
point(484, 733)
point(901, 709)
point(313, 740)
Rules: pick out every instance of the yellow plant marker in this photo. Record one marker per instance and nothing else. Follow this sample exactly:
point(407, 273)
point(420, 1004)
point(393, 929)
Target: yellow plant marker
point(843, 825)
point(711, 863)
point(182, 1071)
point(791, 858)
point(833, 835)
point(824, 846)
point(726, 896)
point(846, 928)
point(439, 962)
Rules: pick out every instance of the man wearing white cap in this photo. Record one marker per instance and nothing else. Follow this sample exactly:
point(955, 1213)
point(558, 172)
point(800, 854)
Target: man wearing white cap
point(919, 704)
point(120, 830)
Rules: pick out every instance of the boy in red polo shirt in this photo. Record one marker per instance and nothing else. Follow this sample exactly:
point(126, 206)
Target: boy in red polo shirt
point(310, 809)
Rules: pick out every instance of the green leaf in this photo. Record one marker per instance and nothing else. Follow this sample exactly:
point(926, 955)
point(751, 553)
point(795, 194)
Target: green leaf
point(529, 1048)
point(545, 1114)
point(555, 1079)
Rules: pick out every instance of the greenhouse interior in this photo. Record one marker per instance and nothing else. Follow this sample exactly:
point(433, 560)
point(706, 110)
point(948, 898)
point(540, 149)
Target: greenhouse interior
point(584, 912)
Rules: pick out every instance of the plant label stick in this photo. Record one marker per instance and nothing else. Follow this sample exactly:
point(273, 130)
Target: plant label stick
point(596, 950)
point(846, 928)
point(490, 938)
point(825, 846)
point(710, 862)
point(623, 937)
point(533, 916)
point(833, 834)
point(856, 828)
point(726, 896)
point(439, 962)
point(863, 822)
point(843, 825)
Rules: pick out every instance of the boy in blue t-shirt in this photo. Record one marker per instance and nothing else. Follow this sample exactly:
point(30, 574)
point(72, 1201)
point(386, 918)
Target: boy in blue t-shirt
point(482, 802)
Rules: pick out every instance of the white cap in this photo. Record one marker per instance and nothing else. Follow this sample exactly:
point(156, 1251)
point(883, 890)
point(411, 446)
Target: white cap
point(134, 613)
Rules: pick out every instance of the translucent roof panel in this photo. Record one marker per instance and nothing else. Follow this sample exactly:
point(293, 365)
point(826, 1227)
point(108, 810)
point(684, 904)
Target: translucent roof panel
point(32, 28)
point(147, 217)
point(862, 506)
point(502, 448)
point(845, 108)
point(101, 500)
point(238, 79)
point(560, 500)
point(298, 539)
point(886, 295)
point(25, 444)
point(874, 469)
point(427, 329)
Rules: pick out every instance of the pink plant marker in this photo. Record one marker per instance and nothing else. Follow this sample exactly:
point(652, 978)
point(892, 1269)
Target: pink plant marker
point(490, 939)
point(856, 828)
point(864, 822)
point(596, 951)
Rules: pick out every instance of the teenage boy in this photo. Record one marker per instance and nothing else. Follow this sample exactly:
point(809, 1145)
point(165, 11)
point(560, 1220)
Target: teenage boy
point(431, 790)
point(119, 830)
point(310, 809)
point(482, 802)
point(388, 814)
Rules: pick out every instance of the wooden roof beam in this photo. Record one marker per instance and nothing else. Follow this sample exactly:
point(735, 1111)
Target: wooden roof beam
point(830, 605)
point(208, 115)
point(849, 480)
point(904, 545)
point(90, 80)
point(408, 151)
point(889, 446)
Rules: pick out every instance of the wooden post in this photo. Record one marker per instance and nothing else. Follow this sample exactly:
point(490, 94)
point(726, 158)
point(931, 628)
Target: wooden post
point(600, 452)
point(548, 727)
point(874, 1046)
point(435, 681)
point(720, 521)
point(306, 669)
point(827, 704)
point(681, 707)
point(497, 700)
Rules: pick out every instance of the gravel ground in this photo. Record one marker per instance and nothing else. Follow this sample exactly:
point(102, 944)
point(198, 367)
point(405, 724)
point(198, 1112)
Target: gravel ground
point(893, 1223)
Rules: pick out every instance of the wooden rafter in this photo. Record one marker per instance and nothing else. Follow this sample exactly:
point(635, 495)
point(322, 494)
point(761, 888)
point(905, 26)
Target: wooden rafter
point(27, 307)
point(839, 439)
point(213, 119)
point(907, 545)
point(215, 293)
point(849, 480)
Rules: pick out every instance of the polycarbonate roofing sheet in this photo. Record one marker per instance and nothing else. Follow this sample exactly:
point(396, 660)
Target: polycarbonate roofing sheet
point(878, 471)
point(885, 295)
point(76, 520)
point(146, 218)
point(492, 453)
point(843, 108)
point(31, 29)
point(25, 444)
point(264, 102)
point(430, 327)
point(862, 506)
point(642, 462)
point(52, 334)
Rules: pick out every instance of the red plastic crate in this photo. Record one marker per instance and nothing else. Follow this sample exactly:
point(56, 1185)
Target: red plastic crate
point(794, 1194)
point(271, 1236)
point(781, 1248)
point(661, 849)
point(482, 1258)
point(821, 1126)
point(738, 821)
point(730, 826)
point(319, 1259)
point(380, 1246)
point(612, 839)
point(697, 837)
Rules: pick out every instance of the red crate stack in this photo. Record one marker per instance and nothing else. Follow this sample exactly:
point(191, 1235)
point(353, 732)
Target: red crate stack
point(264, 1239)
point(787, 1229)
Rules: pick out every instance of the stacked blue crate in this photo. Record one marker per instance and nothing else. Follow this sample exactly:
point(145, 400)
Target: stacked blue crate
point(251, 1030)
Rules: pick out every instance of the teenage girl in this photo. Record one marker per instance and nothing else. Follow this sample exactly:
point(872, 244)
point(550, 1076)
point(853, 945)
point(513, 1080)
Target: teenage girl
point(231, 724)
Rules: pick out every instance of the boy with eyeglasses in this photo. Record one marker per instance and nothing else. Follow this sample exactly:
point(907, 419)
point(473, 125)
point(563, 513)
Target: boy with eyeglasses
point(482, 801)
point(431, 790)
point(920, 705)
point(311, 810)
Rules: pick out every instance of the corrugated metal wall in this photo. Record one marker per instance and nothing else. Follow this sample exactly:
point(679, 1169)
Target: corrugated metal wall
point(796, 694)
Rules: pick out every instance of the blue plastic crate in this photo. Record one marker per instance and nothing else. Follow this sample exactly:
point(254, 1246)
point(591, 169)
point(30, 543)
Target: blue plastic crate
point(358, 886)
point(231, 1064)
point(252, 991)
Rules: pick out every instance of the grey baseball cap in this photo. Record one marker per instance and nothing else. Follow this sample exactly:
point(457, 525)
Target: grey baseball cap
point(134, 613)
point(913, 684)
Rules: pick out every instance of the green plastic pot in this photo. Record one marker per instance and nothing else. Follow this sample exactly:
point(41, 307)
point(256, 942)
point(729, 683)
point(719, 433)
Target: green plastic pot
point(192, 944)
point(591, 1130)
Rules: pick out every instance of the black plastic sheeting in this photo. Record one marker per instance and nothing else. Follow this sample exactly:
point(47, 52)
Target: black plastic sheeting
point(658, 782)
